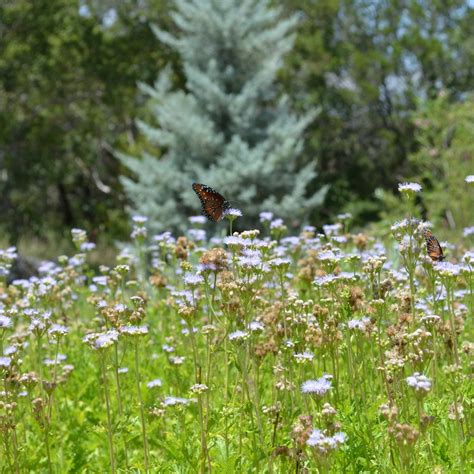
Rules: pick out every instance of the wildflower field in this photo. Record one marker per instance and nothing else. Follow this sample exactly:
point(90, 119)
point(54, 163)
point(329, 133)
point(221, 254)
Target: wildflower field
point(256, 352)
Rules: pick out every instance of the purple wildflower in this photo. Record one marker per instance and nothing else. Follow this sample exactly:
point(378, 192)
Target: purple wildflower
point(197, 220)
point(419, 382)
point(134, 330)
point(5, 321)
point(199, 235)
point(193, 280)
point(317, 387)
point(5, 362)
point(57, 330)
point(266, 216)
point(233, 213)
point(154, 383)
point(238, 335)
point(409, 187)
point(323, 443)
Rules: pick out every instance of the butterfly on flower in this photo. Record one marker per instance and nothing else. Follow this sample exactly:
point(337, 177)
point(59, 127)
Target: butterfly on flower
point(214, 205)
point(433, 247)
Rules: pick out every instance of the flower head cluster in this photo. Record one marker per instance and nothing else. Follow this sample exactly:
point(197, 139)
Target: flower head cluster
point(250, 260)
point(266, 216)
point(323, 443)
point(468, 231)
point(420, 383)
point(102, 340)
point(304, 357)
point(234, 241)
point(197, 220)
point(232, 213)
point(448, 269)
point(256, 326)
point(6, 260)
point(5, 322)
point(134, 330)
point(139, 231)
point(5, 362)
point(193, 280)
point(409, 188)
point(198, 388)
point(198, 235)
point(358, 324)
point(332, 229)
point(154, 383)
point(79, 237)
point(238, 336)
point(172, 401)
point(57, 330)
point(317, 387)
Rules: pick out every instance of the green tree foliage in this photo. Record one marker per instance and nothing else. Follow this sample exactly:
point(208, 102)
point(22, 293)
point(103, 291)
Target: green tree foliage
point(68, 97)
point(365, 63)
point(446, 156)
point(230, 128)
point(68, 76)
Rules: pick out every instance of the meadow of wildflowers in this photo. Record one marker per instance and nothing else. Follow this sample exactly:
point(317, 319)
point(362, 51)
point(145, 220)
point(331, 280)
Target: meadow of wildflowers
point(256, 352)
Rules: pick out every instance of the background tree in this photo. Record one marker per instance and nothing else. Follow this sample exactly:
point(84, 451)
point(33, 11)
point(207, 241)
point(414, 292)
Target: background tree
point(68, 76)
point(368, 65)
point(444, 159)
point(230, 128)
point(68, 98)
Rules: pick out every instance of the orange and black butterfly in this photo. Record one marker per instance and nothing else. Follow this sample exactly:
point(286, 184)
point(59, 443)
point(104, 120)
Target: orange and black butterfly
point(213, 204)
point(433, 247)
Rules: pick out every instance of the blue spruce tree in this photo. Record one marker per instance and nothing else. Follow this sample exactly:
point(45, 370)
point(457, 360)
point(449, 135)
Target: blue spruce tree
point(230, 129)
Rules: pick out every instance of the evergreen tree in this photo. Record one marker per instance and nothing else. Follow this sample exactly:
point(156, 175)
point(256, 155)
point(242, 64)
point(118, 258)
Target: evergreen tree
point(230, 129)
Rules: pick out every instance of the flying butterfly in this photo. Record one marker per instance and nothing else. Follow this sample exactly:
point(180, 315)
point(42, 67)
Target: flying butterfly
point(214, 205)
point(433, 247)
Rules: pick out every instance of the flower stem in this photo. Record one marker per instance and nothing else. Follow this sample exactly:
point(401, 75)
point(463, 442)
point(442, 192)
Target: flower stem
point(197, 375)
point(119, 398)
point(142, 409)
point(109, 418)
point(50, 400)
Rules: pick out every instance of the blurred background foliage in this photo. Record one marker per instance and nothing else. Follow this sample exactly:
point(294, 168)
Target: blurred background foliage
point(444, 157)
point(391, 80)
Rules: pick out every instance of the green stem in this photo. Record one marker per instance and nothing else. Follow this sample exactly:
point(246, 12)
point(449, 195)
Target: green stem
point(226, 396)
point(197, 376)
point(45, 427)
point(109, 418)
point(46, 442)
point(119, 398)
point(14, 437)
point(142, 410)
point(50, 400)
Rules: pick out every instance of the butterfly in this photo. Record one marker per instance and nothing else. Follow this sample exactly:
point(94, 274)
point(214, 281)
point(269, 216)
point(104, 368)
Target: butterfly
point(213, 204)
point(433, 247)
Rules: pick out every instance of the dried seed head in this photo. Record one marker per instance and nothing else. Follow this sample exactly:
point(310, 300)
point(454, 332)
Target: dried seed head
point(389, 412)
point(158, 280)
point(214, 260)
point(302, 430)
point(403, 434)
point(360, 241)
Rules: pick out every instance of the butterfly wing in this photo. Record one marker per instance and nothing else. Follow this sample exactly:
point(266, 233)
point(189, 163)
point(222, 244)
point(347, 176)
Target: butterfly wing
point(213, 204)
point(433, 247)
